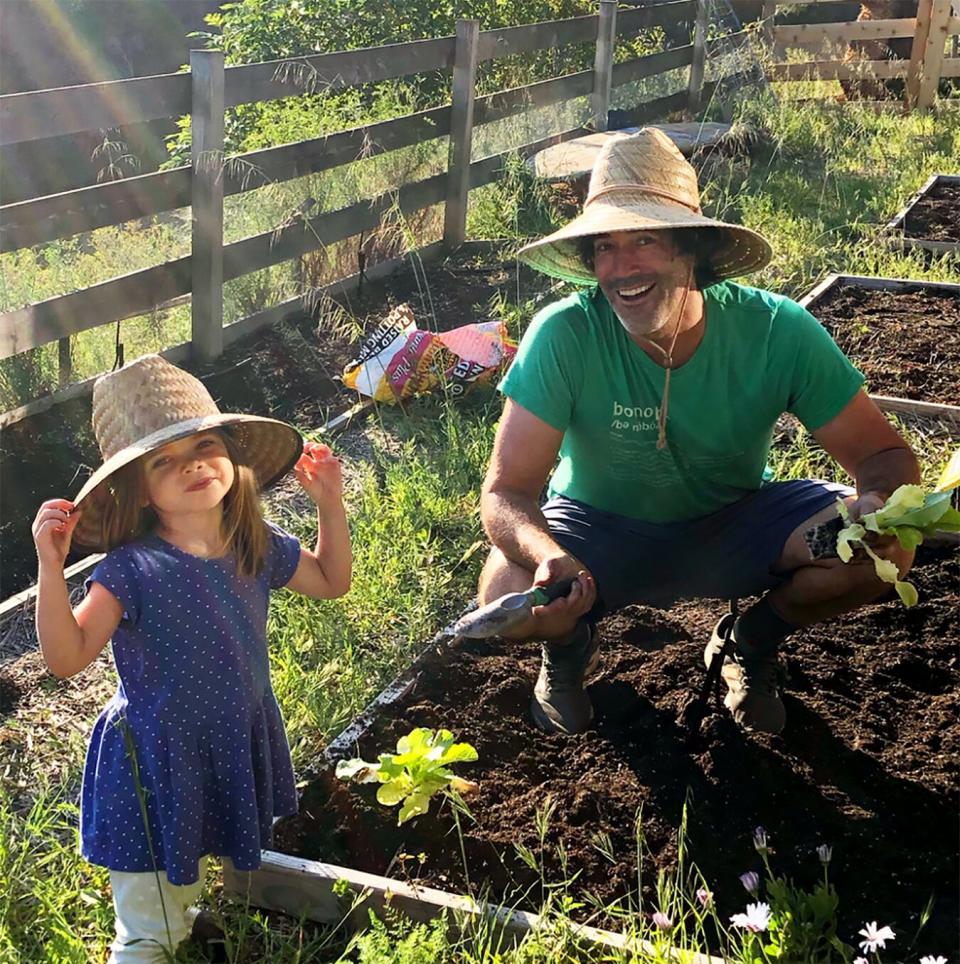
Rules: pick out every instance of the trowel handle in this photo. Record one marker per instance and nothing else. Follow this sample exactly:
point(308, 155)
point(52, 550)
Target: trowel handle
point(554, 590)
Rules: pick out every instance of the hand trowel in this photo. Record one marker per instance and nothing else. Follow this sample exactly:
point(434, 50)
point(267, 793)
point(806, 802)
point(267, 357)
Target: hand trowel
point(508, 611)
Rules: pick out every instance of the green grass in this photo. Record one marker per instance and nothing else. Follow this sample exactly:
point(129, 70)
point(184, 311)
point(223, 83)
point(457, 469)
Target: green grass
point(416, 536)
point(822, 189)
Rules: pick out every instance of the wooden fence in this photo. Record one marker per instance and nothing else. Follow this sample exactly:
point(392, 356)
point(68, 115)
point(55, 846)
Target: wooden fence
point(922, 72)
point(210, 88)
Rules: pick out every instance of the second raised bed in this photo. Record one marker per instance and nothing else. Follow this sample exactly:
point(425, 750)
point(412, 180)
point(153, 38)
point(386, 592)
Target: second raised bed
point(931, 218)
point(903, 335)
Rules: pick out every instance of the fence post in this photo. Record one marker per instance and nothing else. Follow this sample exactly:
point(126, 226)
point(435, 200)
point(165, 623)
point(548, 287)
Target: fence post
point(931, 64)
point(695, 88)
point(461, 132)
point(768, 13)
point(65, 361)
point(914, 71)
point(603, 63)
point(206, 198)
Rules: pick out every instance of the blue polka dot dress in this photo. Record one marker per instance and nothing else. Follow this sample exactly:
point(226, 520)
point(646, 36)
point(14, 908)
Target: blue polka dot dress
point(196, 701)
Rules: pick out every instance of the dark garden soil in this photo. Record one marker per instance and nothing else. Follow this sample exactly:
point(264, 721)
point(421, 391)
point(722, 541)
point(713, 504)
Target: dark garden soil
point(906, 342)
point(868, 763)
point(291, 371)
point(936, 215)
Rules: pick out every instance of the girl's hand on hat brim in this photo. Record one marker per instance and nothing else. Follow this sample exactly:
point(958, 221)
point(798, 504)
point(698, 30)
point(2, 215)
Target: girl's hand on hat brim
point(53, 530)
point(318, 472)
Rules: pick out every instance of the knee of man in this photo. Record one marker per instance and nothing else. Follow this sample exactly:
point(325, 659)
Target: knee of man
point(501, 576)
point(863, 575)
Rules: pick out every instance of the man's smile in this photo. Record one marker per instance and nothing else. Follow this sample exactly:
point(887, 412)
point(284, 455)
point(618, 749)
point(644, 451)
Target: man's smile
point(634, 294)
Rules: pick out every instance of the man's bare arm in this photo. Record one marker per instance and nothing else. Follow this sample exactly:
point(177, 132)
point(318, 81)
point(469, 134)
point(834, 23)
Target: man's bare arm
point(870, 449)
point(524, 453)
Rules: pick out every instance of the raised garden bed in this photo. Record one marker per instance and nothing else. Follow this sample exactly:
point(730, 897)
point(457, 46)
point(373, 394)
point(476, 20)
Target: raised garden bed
point(931, 219)
point(903, 335)
point(868, 763)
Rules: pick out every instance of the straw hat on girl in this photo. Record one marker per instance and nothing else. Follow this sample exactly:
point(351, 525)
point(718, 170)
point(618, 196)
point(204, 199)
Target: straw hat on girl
point(641, 182)
point(149, 403)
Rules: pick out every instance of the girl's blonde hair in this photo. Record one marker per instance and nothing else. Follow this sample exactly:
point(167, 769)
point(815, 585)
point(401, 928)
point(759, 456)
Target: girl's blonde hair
point(127, 515)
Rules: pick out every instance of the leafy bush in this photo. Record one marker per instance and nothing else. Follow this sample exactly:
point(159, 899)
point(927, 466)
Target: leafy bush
point(252, 31)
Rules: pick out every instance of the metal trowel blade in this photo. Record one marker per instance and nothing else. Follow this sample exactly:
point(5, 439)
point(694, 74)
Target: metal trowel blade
point(495, 618)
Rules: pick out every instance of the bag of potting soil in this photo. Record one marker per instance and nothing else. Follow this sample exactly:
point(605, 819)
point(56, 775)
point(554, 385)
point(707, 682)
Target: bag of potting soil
point(399, 360)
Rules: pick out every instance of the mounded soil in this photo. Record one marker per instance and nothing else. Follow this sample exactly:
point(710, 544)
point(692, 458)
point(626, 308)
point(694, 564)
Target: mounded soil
point(906, 342)
point(868, 763)
point(936, 215)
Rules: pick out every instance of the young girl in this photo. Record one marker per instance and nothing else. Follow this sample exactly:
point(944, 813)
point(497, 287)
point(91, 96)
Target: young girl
point(189, 757)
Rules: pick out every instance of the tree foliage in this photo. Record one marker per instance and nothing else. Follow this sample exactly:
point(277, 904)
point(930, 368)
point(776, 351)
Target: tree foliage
point(255, 30)
point(252, 31)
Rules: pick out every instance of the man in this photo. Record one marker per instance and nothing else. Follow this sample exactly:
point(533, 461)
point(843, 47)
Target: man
point(659, 390)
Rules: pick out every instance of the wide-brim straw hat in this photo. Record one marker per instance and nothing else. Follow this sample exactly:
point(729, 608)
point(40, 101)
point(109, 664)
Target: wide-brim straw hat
point(149, 403)
point(641, 182)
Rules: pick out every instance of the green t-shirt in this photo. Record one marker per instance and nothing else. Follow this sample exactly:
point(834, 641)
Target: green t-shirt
point(761, 355)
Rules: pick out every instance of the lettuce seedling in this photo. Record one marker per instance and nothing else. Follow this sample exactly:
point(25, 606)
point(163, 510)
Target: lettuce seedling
point(910, 514)
point(417, 771)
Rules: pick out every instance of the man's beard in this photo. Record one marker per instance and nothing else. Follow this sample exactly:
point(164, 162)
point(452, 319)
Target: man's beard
point(659, 320)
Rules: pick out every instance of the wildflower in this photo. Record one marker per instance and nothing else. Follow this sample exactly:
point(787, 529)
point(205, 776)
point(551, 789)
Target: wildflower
point(860, 960)
point(705, 897)
point(930, 959)
point(824, 852)
point(754, 920)
point(750, 881)
point(662, 921)
point(874, 936)
point(760, 840)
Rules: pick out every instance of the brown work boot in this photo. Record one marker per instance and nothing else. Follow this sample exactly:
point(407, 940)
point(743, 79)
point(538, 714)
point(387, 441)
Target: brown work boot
point(560, 704)
point(753, 685)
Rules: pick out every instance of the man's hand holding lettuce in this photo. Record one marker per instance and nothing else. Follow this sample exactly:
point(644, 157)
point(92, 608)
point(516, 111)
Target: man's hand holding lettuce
point(910, 515)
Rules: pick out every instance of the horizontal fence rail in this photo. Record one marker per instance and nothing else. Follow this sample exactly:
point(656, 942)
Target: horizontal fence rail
point(630, 22)
point(72, 110)
point(61, 215)
point(138, 292)
point(803, 34)
point(839, 70)
point(132, 294)
point(653, 64)
point(506, 41)
point(853, 70)
point(321, 73)
point(88, 107)
point(508, 103)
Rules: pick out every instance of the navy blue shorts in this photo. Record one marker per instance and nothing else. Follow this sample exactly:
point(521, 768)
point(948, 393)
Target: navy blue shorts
point(725, 555)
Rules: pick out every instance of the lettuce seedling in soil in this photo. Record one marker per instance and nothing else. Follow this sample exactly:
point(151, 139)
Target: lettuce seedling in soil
point(418, 770)
point(911, 515)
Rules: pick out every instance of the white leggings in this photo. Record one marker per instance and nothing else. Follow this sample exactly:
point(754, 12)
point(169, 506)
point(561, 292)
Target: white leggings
point(139, 911)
